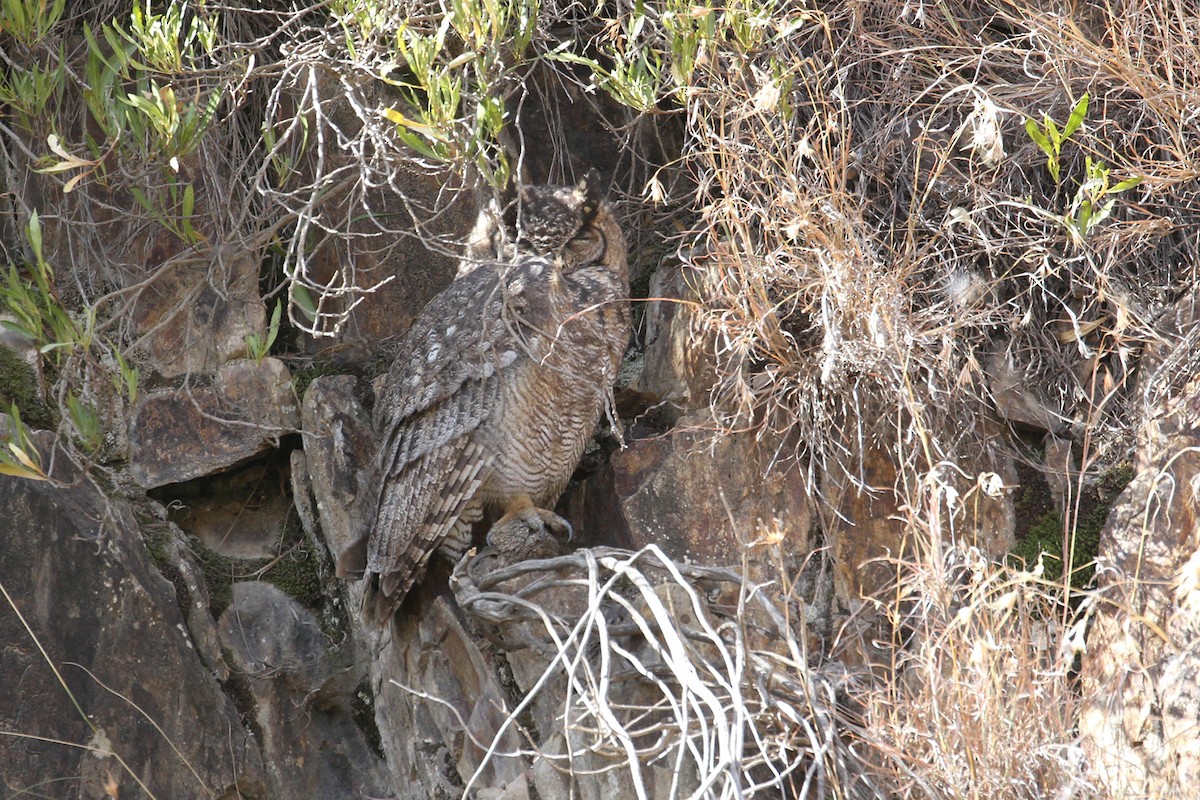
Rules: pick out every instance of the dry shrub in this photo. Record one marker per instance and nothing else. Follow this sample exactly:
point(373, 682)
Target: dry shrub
point(885, 243)
point(974, 694)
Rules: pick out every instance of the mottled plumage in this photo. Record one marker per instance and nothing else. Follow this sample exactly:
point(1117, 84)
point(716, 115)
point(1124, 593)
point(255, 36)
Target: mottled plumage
point(498, 385)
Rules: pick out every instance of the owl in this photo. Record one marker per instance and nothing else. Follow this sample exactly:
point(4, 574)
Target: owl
point(498, 386)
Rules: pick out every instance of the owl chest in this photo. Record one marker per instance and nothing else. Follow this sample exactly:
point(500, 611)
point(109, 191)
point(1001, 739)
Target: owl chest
point(547, 414)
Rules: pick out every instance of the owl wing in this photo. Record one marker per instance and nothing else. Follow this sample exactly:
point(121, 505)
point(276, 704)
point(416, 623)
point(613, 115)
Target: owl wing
point(442, 387)
point(427, 480)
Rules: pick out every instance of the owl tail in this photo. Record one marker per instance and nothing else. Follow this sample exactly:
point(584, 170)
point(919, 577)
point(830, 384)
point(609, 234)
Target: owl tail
point(384, 595)
point(352, 562)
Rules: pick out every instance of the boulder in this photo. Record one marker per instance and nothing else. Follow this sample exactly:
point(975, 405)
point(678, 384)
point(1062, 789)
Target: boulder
point(198, 307)
point(311, 744)
point(439, 704)
point(1141, 670)
point(709, 499)
point(339, 449)
point(178, 435)
point(399, 237)
point(98, 661)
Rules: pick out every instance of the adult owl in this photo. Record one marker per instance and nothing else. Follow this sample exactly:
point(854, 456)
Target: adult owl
point(498, 385)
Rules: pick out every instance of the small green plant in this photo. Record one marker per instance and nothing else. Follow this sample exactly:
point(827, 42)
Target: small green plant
point(176, 127)
point(104, 73)
point(1093, 201)
point(1050, 139)
point(128, 378)
point(166, 42)
point(151, 117)
point(68, 343)
point(29, 93)
point(283, 161)
point(654, 54)
point(454, 103)
point(178, 222)
point(257, 347)
point(86, 423)
point(18, 457)
point(32, 303)
point(29, 21)
point(1090, 207)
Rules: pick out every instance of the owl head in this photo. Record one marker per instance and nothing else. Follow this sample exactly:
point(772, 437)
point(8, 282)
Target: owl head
point(573, 224)
point(543, 220)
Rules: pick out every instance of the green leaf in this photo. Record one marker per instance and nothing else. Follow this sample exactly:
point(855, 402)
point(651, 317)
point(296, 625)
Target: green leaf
point(35, 236)
point(414, 141)
point(129, 375)
point(1077, 115)
point(1052, 131)
point(1103, 213)
point(304, 301)
point(1035, 133)
point(143, 201)
point(1084, 218)
point(18, 328)
point(273, 327)
point(1129, 183)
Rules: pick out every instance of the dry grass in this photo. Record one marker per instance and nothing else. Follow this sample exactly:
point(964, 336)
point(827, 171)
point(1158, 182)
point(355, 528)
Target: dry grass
point(973, 688)
point(882, 237)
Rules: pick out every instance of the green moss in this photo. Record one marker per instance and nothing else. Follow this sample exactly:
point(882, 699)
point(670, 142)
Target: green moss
point(237, 689)
point(296, 571)
point(19, 386)
point(1040, 526)
point(157, 536)
point(218, 574)
point(1043, 536)
point(362, 710)
point(303, 378)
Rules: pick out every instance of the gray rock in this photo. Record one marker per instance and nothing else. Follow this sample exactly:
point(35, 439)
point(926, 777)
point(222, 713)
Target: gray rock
point(310, 743)
point(239, 514)
point(76, 568)
point(707, 502)
point(439, 704)
point(679, 365)
point(409, 228)
point(175, 559)
point(196, 311)
point(179, 435)
point(338, 447)
point(1141, 670)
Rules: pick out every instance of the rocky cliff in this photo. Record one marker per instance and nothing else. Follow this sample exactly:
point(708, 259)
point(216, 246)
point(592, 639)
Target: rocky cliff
point(897, 497)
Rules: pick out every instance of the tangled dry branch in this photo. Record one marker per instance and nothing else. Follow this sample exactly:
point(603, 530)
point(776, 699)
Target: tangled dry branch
point(668, 668)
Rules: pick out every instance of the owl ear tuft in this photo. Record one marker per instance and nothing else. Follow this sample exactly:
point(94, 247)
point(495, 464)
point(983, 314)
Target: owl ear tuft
point(589, 186)
point(588, 191)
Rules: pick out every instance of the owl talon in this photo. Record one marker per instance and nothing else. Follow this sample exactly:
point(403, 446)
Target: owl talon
point(530, 533)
